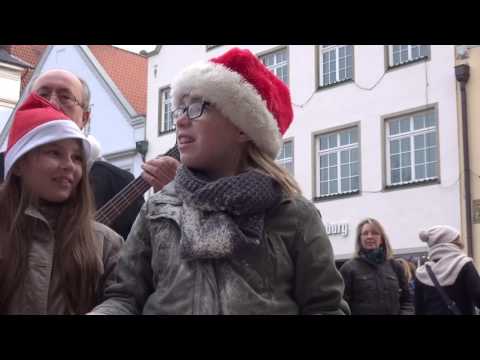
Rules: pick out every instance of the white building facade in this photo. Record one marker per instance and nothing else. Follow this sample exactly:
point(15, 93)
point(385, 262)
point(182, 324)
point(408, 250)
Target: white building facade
point(374, 133)
point(10, 81)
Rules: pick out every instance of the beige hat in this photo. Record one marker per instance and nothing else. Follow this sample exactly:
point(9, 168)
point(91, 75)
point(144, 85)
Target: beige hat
point(439, 234)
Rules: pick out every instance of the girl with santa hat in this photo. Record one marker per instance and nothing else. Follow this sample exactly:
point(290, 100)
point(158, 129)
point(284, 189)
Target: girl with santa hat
point(232, 233)
point(54, 259)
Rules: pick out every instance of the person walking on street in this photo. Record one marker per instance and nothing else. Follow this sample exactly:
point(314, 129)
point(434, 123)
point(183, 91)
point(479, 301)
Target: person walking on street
point(375, 282)
point(454, 271)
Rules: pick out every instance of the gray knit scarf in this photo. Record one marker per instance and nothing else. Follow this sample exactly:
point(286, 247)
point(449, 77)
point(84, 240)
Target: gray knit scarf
point(222, 216)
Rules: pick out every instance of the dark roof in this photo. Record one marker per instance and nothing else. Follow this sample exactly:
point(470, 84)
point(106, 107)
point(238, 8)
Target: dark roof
point(5, 57)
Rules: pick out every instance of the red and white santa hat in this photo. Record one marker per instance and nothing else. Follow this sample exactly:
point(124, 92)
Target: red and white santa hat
point(38, 122)
point(245, 91)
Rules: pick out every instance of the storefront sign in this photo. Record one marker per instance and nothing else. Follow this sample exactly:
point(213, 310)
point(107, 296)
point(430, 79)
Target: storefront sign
point(337, 229)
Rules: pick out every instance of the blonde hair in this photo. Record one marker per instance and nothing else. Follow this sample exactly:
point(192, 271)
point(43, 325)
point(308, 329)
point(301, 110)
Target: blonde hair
point(261, 161)
point(379, 227)
point(408, 268)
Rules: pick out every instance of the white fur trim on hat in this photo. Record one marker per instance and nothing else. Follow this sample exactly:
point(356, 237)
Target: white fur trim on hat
point(43, 134)
point(236, 99)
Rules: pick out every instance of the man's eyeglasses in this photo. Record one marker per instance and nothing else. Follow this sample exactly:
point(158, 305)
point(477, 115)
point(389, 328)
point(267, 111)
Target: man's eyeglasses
point(66, 99)
point(193, 111)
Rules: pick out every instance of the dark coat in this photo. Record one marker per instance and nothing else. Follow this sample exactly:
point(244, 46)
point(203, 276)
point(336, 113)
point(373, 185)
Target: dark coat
point(465, 291)
point(107, 180)
point(376, 289)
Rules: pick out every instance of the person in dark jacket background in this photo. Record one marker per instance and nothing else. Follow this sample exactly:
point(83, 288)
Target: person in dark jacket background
point(375, 282)
point(107, 180)
point(454, 271)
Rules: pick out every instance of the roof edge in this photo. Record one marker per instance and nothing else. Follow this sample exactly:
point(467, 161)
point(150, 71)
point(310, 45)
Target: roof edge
point(6, 129)
point(151, 53)
point(109, 81)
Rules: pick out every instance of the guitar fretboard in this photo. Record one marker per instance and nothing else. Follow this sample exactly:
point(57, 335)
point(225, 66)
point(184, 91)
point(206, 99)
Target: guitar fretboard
point(109, 212)
point(121, 201)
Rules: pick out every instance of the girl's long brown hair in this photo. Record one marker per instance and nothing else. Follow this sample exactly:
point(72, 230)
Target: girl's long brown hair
point(77, 257)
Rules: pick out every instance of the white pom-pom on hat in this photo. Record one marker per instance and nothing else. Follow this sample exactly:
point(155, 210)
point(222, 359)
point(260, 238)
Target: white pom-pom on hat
point(439, 234)
point(96, 149)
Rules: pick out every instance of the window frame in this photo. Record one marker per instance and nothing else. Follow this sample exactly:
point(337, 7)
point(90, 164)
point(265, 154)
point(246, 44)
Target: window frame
point(161, 112)
point(319, 66)
point(284, 141)
point(411, 134)
point(316, 162)
point(389, 57)
point(262, 54)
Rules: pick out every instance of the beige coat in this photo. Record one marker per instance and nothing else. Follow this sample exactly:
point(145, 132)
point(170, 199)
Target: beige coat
point(39, 293)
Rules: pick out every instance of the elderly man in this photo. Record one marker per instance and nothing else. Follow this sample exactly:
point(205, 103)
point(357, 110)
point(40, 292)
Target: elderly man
point(72, 95)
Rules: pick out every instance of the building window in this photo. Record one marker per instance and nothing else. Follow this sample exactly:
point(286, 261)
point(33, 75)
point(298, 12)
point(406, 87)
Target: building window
point(285, 157)
point(165, 123)
point(336, 64)
point(277, 62)
point(337, 163)
point(412, 151)
point(402, 54)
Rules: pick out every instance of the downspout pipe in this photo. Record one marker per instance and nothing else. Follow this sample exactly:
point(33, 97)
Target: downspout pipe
point(462, 74)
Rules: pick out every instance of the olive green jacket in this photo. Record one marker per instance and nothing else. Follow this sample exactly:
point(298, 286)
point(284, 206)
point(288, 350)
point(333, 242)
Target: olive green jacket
point(40, 292)
point(292, 271)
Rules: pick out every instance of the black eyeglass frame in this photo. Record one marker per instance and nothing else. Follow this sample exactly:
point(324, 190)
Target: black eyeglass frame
point(178, 112)
point(69, 97)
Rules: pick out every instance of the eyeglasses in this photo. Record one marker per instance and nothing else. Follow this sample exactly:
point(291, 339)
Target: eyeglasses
point(366, 233)
point(66, 99)
point(193, 111)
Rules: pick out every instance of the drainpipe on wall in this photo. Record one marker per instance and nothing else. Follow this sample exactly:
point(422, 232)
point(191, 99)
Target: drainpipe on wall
point(462, 74)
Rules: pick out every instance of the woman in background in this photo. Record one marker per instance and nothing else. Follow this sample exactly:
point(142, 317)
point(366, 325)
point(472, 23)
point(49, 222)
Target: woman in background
point(375, 283)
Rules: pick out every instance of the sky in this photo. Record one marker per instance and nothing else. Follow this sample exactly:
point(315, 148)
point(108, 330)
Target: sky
point(137, 48)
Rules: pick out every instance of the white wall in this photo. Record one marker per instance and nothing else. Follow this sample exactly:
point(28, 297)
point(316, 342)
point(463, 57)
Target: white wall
point(403, 211)
point(4, 115)
point(10, 80)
